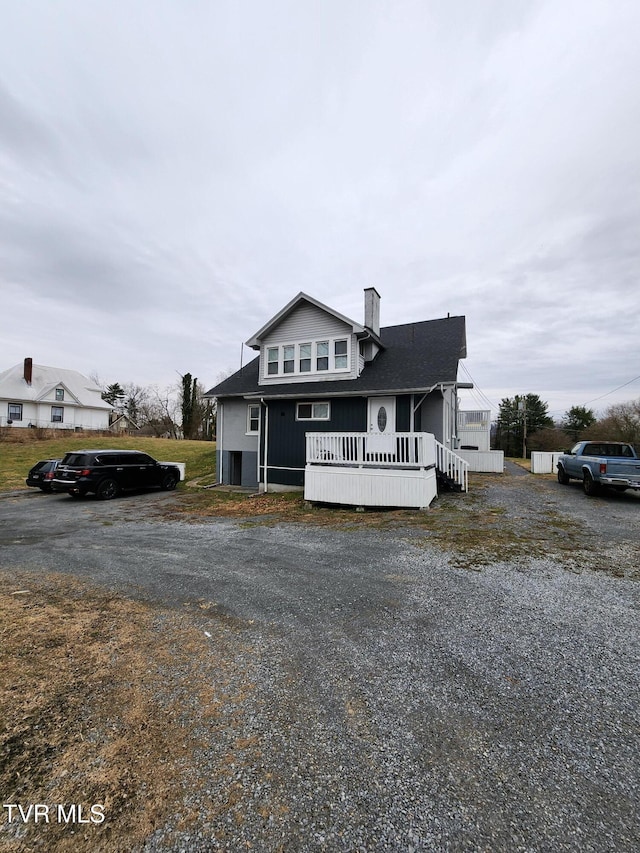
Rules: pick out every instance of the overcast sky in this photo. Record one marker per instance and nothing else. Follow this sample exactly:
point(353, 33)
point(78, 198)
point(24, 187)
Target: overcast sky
point(173, 173)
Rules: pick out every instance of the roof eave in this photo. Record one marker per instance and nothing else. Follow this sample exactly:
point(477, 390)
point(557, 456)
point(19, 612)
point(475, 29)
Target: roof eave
point(254, 341)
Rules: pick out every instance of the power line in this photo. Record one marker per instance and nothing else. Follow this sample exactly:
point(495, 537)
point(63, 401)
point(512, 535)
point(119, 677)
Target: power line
point(484, 397)
point(624, 385)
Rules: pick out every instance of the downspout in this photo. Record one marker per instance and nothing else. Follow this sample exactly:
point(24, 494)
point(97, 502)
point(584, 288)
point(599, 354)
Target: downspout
point(266, 415)
point(266, 446)
point(446, 439)
point(220, 422)
point(259, 442)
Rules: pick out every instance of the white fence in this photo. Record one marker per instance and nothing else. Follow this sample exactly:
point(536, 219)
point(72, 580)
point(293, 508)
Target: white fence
point(483, 461)
point(544, 463)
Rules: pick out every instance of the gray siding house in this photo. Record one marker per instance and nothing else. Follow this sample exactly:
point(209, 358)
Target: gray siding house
point(319, 373)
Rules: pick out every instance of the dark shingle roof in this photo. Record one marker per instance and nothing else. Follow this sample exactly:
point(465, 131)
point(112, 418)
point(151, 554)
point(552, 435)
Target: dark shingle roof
point(416, 357)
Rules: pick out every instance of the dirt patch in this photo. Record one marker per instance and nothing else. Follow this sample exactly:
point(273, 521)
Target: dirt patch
point(284, 507)
point(108, 703)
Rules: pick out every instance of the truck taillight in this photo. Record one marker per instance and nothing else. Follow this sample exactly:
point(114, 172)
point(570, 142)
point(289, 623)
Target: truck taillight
point(603, 467)
point(85, 472)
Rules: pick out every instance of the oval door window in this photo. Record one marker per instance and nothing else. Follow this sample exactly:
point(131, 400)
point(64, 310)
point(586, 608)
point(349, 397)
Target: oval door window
point(382, 418)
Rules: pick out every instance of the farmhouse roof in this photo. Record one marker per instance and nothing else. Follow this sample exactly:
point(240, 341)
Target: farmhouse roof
point(14, 385)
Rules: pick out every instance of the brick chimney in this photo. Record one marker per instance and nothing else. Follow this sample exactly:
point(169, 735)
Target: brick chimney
point(28, 370)
point(372, 309)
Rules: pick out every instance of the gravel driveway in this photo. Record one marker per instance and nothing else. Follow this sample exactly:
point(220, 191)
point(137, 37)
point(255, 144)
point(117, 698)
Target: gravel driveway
point(398, 700)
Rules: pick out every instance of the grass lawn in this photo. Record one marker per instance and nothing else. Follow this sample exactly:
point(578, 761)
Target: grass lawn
point(16, 459)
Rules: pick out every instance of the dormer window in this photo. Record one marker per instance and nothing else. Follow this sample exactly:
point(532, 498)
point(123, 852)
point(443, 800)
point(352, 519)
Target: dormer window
point(308, 357)
point(305, 358)
point(273, 354)
point(288, 358)
point(322, 357)
point(340, 354)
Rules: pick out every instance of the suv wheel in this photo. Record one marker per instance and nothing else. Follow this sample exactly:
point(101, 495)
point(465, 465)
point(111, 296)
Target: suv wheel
point(107, 489)
point(168, 483)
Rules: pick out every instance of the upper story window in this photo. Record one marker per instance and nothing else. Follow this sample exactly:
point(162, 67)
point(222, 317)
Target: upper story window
point(15, 411)
point(327, 356)
point(273, 357)
point(59, 393)
point(304, 364)
point(340, 354)
point(289, 358)
point(322, 355)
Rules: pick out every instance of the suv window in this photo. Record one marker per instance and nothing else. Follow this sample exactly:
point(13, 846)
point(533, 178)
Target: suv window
point(141, 459)
point(81, 460)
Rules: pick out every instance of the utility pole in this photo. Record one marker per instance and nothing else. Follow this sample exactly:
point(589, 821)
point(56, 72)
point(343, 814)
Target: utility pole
point(522, 407)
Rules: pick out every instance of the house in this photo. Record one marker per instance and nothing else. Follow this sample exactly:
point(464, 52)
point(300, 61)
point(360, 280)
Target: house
point(329, 401)
point(122, 424)
point(32, 395)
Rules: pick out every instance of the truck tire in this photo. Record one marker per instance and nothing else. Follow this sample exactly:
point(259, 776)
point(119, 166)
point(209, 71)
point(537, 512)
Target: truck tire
point(591, 488)
point(563, 479)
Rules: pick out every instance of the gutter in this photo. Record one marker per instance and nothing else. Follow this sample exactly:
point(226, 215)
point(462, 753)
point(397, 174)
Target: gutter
point(368, 392)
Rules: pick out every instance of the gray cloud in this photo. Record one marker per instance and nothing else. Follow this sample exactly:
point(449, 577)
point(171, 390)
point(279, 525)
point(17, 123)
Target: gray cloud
point(172, 174)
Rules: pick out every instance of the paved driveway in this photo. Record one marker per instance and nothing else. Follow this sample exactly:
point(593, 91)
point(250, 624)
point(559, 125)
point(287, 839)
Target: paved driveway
point(400, 702)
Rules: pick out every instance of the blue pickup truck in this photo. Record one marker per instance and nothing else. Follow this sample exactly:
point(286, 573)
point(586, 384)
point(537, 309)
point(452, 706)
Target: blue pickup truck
point(600, 463)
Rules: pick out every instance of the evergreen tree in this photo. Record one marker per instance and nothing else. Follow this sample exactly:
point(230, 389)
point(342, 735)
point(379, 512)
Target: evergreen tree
point(512, 416)
point(113, 394)
point(576, 420)
point(189, 405)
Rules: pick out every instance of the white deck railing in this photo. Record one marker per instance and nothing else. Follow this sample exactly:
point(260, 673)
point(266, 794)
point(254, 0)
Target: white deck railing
point(401, 450)
point(474, 421)
point(394, 450)
point(449, 463)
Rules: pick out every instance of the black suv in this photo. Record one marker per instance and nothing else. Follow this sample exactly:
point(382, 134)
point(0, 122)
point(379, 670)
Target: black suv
point(42, 474)
point(108, 472)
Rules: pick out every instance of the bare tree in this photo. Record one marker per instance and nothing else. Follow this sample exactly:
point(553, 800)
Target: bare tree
point(160, 412)
point(620, 423)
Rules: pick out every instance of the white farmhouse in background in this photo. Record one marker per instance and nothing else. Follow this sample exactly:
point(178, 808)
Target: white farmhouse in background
point(32, 395)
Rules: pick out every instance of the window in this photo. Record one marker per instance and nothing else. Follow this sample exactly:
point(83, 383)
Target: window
point(305, 358)
point(288, 358)
point(322, 355)
point(272, 360)
point(57, 414)
point(140, 459)
point(253, 418)
point(340, 354)
point(313, 412)
point(15, 411)
point(59, 393)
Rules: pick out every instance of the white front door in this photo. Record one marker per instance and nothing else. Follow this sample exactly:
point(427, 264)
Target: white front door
point(381, 443)
point(382, 415)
